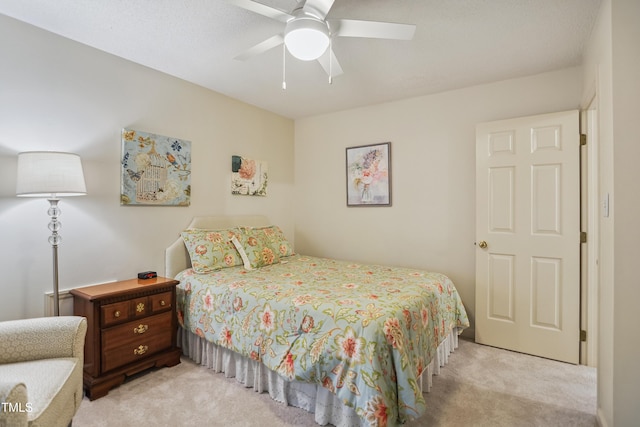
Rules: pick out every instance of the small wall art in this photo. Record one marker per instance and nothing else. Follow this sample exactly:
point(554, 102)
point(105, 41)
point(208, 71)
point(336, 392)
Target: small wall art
point(156, 170)
point(248, 176)
point(369, 175)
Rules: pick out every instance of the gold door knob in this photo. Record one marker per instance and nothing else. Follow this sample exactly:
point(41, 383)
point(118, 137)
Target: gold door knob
point(482, 244)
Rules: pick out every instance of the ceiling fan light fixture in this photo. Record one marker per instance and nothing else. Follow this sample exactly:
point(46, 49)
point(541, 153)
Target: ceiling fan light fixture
point(306, 38)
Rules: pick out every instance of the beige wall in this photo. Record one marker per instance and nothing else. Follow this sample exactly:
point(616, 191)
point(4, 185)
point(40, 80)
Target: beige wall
point(431, 223)
point(626, 234)
point(56, 94)
point(597, 81)
point(612, 67)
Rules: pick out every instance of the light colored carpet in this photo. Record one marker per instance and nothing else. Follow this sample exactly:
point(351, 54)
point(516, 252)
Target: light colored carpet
point(480, 386)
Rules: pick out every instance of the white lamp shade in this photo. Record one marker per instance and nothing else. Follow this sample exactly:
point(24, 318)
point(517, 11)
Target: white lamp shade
point(49, 174)
point(306, 38)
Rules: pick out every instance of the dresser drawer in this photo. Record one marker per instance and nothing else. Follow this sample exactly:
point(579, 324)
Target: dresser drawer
point(115, 313)
point(134, 331)
point(137, 350)
point(161, 301)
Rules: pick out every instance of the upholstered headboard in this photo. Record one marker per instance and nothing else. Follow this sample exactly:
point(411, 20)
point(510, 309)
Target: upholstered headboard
point(176, 257)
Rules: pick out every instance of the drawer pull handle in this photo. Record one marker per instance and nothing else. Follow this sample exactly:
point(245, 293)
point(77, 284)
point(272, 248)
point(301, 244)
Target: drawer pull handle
point(141, 329)
point(140, 307)
point(116, 314)
point(142, 349)
point(162, 303)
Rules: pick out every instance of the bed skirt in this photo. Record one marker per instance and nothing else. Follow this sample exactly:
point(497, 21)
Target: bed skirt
point(327, 408)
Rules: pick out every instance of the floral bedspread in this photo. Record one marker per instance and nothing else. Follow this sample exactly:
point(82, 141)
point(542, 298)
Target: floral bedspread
point(365, 332)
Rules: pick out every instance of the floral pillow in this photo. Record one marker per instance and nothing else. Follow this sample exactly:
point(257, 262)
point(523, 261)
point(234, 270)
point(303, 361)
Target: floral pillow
point(254, 249)
point(274, 237)
point(211, 250)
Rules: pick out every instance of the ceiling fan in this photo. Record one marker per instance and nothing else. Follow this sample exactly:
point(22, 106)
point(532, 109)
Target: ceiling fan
point(308, 33)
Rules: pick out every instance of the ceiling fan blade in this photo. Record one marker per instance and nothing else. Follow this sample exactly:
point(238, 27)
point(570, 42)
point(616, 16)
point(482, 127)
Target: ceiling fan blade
point(334, 69)
point(371, 29)
point(261, 47)
point(261, 9)
point(319, 7)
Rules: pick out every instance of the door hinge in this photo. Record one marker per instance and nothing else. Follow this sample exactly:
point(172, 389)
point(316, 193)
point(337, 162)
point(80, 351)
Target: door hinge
point(583, 237)
point(583, 335)
point(583, 139)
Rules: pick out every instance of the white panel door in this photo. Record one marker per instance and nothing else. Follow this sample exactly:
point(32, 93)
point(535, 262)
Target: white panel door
point(528, 235)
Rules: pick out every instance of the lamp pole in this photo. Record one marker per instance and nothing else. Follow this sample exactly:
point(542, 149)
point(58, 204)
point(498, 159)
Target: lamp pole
point(55, 239)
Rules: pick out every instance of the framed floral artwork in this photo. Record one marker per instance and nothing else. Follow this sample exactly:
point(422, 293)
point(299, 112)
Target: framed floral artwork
point(369, 175)
point(156, 170)
point(248, 176)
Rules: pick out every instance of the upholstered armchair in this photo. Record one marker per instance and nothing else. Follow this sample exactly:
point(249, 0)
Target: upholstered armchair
point(41, 364)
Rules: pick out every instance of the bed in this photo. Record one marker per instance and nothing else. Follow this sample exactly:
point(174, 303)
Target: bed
point(355, 344)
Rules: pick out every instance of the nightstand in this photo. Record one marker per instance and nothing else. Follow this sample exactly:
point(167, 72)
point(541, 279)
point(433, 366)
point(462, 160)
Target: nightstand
point(132, 326)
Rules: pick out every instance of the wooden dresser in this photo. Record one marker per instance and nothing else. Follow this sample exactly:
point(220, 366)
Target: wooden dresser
point(132, 326)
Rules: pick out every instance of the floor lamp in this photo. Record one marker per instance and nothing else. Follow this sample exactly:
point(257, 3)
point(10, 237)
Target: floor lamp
point(51, 175)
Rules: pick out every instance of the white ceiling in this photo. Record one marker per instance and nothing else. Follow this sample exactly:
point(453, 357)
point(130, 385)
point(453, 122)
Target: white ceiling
point(457, 43)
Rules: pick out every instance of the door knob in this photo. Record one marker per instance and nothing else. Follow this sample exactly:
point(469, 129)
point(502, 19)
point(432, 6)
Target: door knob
point(482, 244)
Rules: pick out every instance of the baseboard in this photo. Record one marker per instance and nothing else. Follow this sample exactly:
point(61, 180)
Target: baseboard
point(66, 300)
point(66, 303)
point(600, 419)
point(469, 333)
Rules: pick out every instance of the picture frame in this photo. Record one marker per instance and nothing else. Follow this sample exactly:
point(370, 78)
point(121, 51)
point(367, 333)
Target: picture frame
point(249, 177)
point(368, 170)
point(155, 170)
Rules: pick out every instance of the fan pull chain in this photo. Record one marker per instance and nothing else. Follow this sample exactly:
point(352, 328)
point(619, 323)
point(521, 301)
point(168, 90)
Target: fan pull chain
point(330, 55)
point(284, 67)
